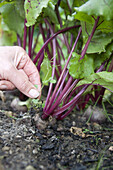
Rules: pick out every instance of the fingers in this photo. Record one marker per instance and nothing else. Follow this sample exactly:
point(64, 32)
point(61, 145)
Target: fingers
point(6, 85)
point(21, 81)
point(32, 74)
point(24, 62)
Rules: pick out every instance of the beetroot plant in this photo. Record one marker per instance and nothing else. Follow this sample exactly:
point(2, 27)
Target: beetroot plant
point(71, 44)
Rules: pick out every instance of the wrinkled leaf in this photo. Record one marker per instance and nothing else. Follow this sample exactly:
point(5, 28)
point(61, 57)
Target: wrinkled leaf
point(98, 59)
point(99, 41)
point(104, 79)
point(81, 69)
point(106, 26)
point(12, 18)
point(50, 13)
point(33, 8)
point(83, 17)
point(19, 5)
point(97, 8)
point(107, 76)
point(8, 38)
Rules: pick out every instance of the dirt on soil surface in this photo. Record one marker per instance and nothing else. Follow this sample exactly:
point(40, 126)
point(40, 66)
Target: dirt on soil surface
point(29, 143)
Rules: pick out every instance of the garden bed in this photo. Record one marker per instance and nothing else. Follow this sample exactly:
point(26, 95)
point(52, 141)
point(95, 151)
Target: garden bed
point(28, 143)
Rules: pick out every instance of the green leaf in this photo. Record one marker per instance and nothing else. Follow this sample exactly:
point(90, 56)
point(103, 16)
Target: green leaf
point(19, 6)
point(97, 8)
point(98, 59)
point(78, 3)
point(33, 8)
point(82, 68)
point(51, 80)
point(99, 41)
point(50, 13)
point(8, 38)
point(2, 3)
point(46, 71)
point(106, 26)
point(104, 79)
point(83, 17)
point(12, 18)
point(107, 76)
point(71, 3)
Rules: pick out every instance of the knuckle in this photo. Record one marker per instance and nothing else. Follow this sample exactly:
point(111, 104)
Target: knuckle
point(24, 86)
point(19, 49)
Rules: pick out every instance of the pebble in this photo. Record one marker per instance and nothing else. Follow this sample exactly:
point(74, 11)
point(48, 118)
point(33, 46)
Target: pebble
point(6, 133)
point(29, 167)
point(18, 136)
point(10, 152)
point(111, 148)
point(73, 123)
point(35, 151)
point(15, 105)
point(5, 148)
point(95, 114)
point(32, 131)
point(97, 127)
point(73, 152)
point(42, 167)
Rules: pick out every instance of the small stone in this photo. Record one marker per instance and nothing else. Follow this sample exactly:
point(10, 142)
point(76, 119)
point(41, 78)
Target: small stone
point(73, 152)
point(111, 148)
point(42, 167)
point(95, 114)
point(18, 136)
point(29, 167)
point(5, 148)
point(15, 105)
point(10, 152)
point(6, 133)
point(97, 127)
point(35, 151)
point(32, 131)
point(73, 123)
point(106, 137)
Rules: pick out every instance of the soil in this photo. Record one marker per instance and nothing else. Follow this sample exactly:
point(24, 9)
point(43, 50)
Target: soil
point(29, 143)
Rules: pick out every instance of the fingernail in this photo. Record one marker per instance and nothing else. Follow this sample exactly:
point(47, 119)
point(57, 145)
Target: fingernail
point(34, 93)
point(3, 87)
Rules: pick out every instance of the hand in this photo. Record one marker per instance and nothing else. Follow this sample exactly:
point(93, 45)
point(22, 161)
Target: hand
point(18, 71)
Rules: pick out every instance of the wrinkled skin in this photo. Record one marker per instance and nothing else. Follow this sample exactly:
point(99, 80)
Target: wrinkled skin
point(18, 71)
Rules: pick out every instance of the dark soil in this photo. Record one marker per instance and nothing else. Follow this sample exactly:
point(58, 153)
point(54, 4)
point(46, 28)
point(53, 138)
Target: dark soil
point(27, 143)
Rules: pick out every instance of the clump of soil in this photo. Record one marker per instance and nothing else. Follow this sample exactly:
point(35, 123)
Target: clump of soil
point(29, 143)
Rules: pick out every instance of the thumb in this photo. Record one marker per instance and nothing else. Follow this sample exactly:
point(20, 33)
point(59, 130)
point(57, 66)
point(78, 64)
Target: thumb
point(6, 85)
point(21, 81)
